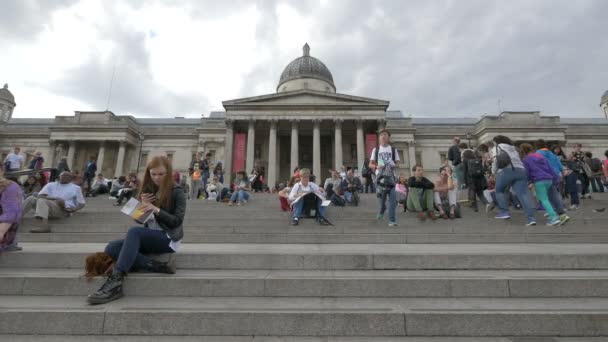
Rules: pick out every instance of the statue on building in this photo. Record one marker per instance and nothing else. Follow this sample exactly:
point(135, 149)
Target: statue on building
point(7, 104)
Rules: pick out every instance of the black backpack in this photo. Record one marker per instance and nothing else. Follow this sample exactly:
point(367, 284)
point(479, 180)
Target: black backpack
point(596, 165)
point(502, 158)
point(475, 168)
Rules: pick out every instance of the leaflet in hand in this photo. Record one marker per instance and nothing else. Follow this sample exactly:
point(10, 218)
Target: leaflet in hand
point(134, 209)
point(319, 195)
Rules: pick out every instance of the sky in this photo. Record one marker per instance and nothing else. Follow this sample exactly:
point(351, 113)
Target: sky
point(439, 58)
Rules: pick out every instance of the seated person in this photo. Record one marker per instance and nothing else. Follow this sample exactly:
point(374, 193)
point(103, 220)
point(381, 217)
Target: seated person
point(215, 186)
point(31, 187)
point(162, 233)
point(55, 200)
point(446, 190)
point(242, 186)
point(305, 192)
point(332, 184)
point(401, 190)
point(420, 196)
point(351, 186)
point(128, 190)
point(99, 186)
point(490, 193)
point(284, 194)
point(117, 185)
point(11, 211)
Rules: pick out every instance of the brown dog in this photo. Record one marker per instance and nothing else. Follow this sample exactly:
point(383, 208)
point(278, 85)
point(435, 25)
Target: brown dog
point(98, 264)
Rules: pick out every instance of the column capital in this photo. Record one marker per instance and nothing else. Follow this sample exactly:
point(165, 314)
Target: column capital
point(273, 123)
point(122, 143)
point(316, 123)
point(229, 123)
point(359, 123)
point(338, 123)
point(294, 123)
point(72, 143)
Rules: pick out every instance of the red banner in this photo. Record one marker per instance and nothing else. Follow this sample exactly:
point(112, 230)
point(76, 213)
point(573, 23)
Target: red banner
point(371, 140)
point(239, 152)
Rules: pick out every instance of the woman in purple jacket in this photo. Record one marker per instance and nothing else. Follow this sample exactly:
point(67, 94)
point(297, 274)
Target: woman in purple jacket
point(11, 211)
point(543, 177)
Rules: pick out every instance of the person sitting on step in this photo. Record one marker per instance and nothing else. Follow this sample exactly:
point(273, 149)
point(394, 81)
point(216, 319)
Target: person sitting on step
point(420, 196)
point(401, 191)
point(352, 186)
point(56, 200)
point(284, 194)
point(128, 190)
point(446, 190)
point(11, 212)
point(163, 233)
point(220, 190)
point(100, 186)
point(306, 190)
point(117, 185)
point(242, 186)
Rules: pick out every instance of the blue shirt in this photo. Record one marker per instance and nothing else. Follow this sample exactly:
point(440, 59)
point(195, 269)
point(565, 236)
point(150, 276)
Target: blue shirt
point(554, 162)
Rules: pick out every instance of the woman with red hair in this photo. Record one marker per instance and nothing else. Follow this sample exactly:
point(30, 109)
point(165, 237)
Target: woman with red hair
point(162, 233)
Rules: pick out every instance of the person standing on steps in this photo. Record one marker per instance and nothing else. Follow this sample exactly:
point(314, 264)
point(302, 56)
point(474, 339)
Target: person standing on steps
point(89, 174)
point(163, 233)
point(383, 162)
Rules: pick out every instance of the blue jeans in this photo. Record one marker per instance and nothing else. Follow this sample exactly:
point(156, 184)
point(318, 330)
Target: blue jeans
point(129, 252)
point(222, 194)
point(518, 180)
point(298, 208)
point(240, 195)
point(556, 199)
point(392, 204)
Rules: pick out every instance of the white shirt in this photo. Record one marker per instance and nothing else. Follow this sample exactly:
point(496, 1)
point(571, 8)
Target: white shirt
point(16, 160)
point(385, 157)
point(299, 188)
point(70, 193)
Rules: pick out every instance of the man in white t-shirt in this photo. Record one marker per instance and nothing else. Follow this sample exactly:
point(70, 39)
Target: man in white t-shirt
point(305, 188)
point(14, 161)
point(56, 200)
point(383, 161)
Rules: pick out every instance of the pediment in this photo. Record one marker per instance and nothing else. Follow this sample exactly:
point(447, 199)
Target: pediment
point(304, 98)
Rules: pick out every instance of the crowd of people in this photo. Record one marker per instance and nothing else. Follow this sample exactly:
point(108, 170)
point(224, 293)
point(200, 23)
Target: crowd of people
point(498, 174)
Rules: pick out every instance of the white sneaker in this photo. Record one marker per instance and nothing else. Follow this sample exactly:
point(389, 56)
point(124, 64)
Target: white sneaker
point(392, 224)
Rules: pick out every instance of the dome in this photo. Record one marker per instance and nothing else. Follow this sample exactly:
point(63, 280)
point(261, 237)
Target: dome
point(604, 98)
point(307, 67)
point(6, 95)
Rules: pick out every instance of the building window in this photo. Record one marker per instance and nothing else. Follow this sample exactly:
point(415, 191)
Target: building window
point(443, 156)
point(144, 159)
point(305, 86)
point(326, 88)
point(170, 156)
point(284, 88)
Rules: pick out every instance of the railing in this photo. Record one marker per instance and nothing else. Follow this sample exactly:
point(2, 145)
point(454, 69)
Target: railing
point(18, 174)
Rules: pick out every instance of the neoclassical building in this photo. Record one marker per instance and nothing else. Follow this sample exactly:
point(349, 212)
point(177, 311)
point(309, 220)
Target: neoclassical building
point(305, 123)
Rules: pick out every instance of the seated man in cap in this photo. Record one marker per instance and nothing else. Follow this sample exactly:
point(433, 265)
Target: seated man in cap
point(56, 200)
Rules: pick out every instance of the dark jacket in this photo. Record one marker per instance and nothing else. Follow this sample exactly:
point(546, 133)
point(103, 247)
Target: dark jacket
point(454, 155)
point(424, 183)
point(171, 219)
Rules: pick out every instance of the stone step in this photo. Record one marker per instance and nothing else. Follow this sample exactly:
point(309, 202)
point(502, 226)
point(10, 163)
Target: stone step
point(278, 283)
point(293, 316)
point(126, 338)
point(338, 256)
point(314, 236)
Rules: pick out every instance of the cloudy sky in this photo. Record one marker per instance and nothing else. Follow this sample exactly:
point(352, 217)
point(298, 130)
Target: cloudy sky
point(183, 58)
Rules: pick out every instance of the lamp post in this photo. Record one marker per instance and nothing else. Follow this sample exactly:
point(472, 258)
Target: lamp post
point(468, 136)
point(141, 143)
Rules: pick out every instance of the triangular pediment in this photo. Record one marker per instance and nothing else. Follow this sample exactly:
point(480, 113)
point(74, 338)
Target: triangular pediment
point(305, 98)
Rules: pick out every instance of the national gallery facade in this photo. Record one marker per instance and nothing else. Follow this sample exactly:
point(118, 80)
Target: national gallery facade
point(305, 123)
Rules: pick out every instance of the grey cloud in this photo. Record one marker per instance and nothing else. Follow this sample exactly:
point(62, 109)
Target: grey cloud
point(25, 19)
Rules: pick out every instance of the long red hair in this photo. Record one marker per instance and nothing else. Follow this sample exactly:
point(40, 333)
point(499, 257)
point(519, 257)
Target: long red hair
point(164, 191)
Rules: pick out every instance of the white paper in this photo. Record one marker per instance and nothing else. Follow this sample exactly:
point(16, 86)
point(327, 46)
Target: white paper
point(326, 203)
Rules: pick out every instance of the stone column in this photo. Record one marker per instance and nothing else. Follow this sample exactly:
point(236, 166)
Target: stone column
point(360, 145)
point(338, 143)
point(411, 148)
point(316, 148)
point(52, 153)
point(250, 146)
point(120, 160)
point(272, 155)
point(71, 153)
point(228, 151)
point(294, 146)
point(100, 156)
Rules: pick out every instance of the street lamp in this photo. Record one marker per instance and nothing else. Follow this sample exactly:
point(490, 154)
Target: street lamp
point(141, 142)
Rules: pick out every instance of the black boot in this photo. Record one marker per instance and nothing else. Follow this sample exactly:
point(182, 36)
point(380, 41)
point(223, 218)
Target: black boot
point(161, 267)
point(109, 291)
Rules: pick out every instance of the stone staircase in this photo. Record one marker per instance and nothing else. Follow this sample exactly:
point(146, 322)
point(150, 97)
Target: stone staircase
point(246, 275)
